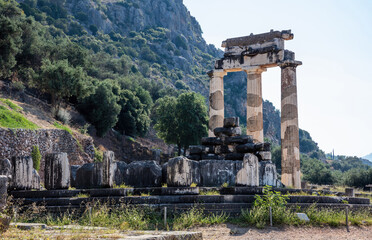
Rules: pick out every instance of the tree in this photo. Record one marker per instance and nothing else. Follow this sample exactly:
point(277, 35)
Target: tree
point(134, 115)
point(10, 36)
point(102, 108)
point(183, 120)
point(61, 80)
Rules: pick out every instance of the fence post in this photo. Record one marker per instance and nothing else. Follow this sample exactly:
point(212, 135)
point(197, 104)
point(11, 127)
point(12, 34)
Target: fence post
point(271, 217)
point(165, 217)
point(347, 218)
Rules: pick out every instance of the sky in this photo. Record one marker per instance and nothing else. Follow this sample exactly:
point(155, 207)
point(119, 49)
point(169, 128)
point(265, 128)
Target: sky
point(332, 38)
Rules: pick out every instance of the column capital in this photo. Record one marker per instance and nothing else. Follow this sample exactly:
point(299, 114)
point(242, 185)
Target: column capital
point(217, 73)
point(289, 63)
point(254, 70)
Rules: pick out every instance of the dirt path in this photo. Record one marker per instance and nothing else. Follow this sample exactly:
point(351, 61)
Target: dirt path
point(224, 232)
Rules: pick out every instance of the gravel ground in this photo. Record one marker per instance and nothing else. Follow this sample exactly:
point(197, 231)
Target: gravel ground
point(224, 232)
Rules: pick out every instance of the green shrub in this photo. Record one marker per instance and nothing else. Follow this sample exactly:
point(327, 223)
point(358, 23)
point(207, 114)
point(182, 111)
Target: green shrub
point(259, 214)
point(36, 157)
point(195, 217)
point(98, 155)
point(63, 116)
point(18, 86)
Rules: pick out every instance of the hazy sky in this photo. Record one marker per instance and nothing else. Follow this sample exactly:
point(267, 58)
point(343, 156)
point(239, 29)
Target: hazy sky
point(332, 38)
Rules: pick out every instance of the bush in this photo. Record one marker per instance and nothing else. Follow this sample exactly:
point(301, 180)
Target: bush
point(259, 214)
point(36, 157)
point(18, 86)
point(62, 115)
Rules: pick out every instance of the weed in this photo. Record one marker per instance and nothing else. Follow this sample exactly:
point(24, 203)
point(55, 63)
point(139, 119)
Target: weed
point(193, 185)
point(82, 195)
point(122, 186)
point(164, 185)
point(225, 185)
point(98, 155)
point(195, 217)
point(210, 192)
point(36, 157)
point(145, 194)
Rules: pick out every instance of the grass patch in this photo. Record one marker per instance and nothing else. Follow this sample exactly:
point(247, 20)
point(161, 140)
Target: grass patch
point(63, 127)
point(122, 186)
point(82, 195)
point(12, 105)
point(12, 119)
point(210, 192)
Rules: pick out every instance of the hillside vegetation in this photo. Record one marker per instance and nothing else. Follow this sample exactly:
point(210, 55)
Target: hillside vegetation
point(114, 60)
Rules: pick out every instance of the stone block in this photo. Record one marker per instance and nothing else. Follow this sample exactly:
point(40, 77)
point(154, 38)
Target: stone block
point(119, 174)
point(89, 175)
point(143, 174)
point(211, 156)
point(268, 175)
point(211, 141)
point(108, 169)
point(224, 149)
point(21, 173)
point(304, 185)
point(234, 156)
point(182, 172)
point(262, 147)
point(57, 171)
point(248, 175)
point(238, 140)
point(6, 168)
point(303, 217)
point(208, 149)
point(231, 122)
point(195, 149)
point(227, 132)
point(264, 156)
point(164, 173)
point(195, 157)
point(73, 170)
point(245, 148)
point(35, 180)
point(350, 192)
point(214, 173)
point(368, 188)
point(3, 190)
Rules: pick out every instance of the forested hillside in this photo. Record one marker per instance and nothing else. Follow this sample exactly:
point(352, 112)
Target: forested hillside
point(114, 59)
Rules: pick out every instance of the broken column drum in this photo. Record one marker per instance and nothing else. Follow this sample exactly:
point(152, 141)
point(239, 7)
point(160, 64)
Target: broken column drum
point(57, 171)
point(254, 54)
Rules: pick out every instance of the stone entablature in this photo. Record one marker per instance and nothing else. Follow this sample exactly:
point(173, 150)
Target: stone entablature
point(254, 54)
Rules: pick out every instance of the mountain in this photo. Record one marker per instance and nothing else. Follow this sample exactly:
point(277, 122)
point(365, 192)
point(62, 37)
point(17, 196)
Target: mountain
point(153, 45)
point(368, 157)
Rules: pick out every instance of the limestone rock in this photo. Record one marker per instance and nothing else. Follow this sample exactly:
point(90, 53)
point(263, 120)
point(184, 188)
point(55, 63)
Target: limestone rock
point(245, 148)
point(89, 176)
point(238, 140)
point(3, 190)
point(234, 156)
point(217, 172)
point(264, 156)
point(227, 132)
point(143, 174)
point(262, 147)
point(195, 149)
point(249, 174)
point(21, 173)
point(182, 172)
point(73, 170)
point(119, 174)
point(231, 122)
point(268, 175)
point(57, 171)
point(6, 168)
point(211, 141)
point(108, 169)
point(35, 180)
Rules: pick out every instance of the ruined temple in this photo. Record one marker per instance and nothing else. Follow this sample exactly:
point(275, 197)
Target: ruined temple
point(254, 54)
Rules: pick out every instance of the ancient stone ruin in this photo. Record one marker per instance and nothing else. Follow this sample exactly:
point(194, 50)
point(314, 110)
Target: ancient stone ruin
point(254, 54)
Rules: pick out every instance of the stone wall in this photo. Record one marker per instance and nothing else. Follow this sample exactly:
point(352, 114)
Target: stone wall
point(19, 142)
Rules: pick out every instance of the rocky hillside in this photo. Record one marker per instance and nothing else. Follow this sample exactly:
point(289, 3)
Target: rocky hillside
point(155, 43)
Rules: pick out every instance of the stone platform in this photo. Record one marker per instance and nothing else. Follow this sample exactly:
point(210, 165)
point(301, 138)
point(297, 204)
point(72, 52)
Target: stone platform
point(231, 200)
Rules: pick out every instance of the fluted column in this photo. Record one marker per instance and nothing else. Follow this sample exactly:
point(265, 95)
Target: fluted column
point(216, 100)
point(289, 126)
point(254, 103)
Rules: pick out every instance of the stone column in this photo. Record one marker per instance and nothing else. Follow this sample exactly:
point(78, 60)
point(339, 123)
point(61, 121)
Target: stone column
point(57, 171)
point(216, 100)
point(254, 103)
point(289, 126)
